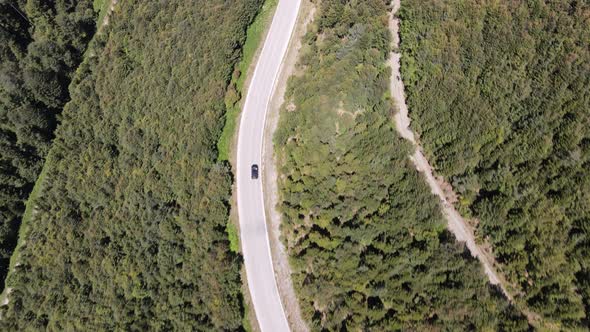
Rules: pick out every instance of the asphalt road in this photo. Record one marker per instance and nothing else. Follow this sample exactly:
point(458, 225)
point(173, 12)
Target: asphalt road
point(253, 231)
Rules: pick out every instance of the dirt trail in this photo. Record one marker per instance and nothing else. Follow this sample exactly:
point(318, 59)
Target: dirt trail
point(456, 224)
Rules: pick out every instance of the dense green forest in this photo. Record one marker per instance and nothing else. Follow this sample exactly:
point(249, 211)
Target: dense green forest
point(41, 45)
point(128, 229)
point(369, 248)
point(499, 92)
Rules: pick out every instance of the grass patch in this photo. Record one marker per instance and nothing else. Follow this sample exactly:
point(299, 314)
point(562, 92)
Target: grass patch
point(246, 323)
point(97, 4)
point(101, 7)
point(232, 234)
point(30, 205)
point(254, 37)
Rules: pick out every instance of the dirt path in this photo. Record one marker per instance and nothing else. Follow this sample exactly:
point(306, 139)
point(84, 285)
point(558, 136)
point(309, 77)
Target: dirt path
point(456, 224)
point(280, 256)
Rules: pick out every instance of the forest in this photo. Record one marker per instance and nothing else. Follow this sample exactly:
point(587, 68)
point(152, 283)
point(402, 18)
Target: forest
point(499, 93)
point(41, 45)
point(128, 227)
point(368, 245)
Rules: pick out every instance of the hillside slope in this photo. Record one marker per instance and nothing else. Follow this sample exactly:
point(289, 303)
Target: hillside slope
point(499, 93)
point(41, 45)
point(129, 227)
point(369, 247)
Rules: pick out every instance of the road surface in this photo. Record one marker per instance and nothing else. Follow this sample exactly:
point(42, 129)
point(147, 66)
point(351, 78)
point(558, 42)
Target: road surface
point(253, 232)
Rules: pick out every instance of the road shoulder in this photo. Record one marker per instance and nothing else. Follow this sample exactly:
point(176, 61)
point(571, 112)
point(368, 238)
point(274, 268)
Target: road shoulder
point(280, 256)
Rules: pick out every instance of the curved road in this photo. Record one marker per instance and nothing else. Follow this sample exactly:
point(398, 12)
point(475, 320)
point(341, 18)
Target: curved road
point(253, 232)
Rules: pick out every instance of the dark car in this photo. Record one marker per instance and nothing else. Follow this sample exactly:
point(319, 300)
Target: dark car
point(254, 171)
